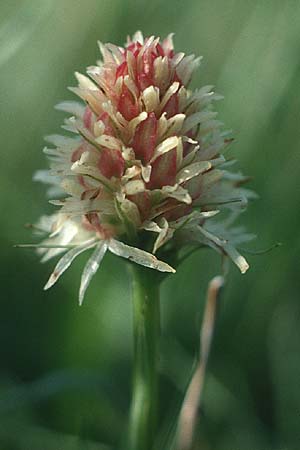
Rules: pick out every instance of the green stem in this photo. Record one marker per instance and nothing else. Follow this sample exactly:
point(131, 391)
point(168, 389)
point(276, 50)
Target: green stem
point(146, 328)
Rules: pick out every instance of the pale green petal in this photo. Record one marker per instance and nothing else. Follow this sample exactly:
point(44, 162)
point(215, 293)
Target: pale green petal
point(197, 118)
point(192, 219)
point(164, 235)
point(91, 268)
point(238, 259)
point(233, 254)
point(138, 256)
point(192, 171)
point(177, 192)
point(72, 107)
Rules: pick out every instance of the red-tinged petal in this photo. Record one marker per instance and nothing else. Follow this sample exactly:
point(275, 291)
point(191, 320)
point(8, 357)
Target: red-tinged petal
point(178, 212)
point(148, 60)
point(111, 163)
point(143, 202)
point(144, 141)
point(109, 129)
point(163, 171)
point(167, 45)
point(144, 81)
point(127, 104)
point(91, 222)
point(171, 107)
point(78, 152)
point(134, 47)
point(87, 118)
point(81, 181)
point(160, 50)
point(122, 70)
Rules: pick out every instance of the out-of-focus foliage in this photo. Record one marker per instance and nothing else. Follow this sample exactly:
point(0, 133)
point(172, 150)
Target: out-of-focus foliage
point(65, 375)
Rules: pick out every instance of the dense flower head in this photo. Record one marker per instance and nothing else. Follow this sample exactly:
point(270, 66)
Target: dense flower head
point(146, 159)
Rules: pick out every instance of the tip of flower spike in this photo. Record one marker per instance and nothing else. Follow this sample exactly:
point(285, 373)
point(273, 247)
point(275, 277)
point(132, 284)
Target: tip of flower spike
point(137, 37)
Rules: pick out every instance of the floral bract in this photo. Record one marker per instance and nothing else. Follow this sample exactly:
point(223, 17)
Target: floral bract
point(146, 157)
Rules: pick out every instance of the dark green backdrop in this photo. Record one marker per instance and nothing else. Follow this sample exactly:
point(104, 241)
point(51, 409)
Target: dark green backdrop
point(65, 370)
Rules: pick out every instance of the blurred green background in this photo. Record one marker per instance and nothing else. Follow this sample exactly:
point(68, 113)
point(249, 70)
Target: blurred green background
point(65, 370)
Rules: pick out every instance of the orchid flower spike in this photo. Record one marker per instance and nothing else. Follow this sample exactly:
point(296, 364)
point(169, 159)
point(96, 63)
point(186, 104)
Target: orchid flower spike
point(142, 166)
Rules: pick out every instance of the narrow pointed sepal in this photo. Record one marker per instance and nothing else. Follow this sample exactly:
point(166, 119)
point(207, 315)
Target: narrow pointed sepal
point(65, 262)
point(138, 256)
point(91, 268)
